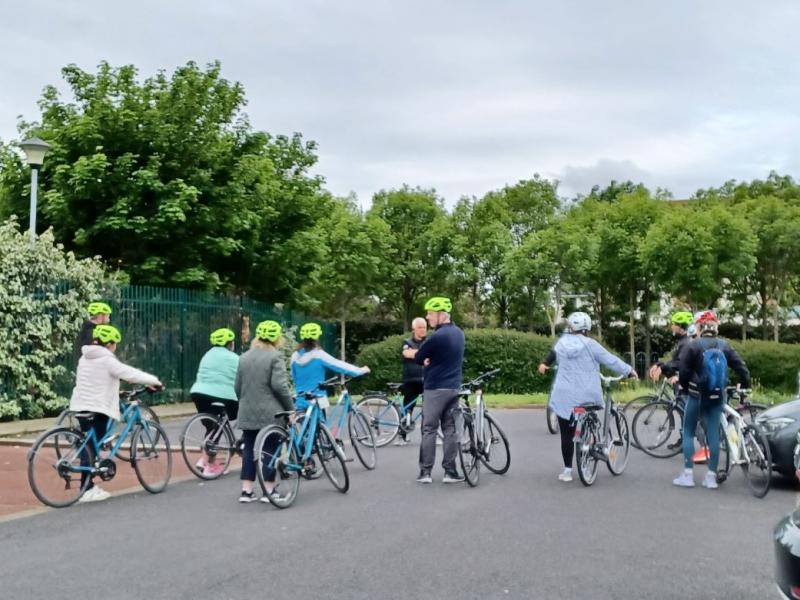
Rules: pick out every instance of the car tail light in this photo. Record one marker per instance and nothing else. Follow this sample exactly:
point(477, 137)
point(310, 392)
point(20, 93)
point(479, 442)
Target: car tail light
point(795, 591)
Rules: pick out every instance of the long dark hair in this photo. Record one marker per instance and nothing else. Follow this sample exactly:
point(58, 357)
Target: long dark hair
point(307, 345)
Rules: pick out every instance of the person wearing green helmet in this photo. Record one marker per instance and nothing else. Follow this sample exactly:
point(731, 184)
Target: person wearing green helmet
point(96, 391)
point(99, 314)
point(214, 384)
point(680, 322)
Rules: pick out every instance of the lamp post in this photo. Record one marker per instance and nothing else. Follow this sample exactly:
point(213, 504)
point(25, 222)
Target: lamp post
point(35, 150)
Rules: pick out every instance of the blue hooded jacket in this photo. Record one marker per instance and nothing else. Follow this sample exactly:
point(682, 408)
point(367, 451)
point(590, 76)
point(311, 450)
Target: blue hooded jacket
point(309, 370)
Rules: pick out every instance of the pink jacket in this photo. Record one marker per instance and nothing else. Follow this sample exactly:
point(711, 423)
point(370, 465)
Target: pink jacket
point(97, 381)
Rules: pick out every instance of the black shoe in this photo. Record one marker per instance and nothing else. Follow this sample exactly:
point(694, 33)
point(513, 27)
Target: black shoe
point(247, 497)
point(425, 477)
point(452, 477)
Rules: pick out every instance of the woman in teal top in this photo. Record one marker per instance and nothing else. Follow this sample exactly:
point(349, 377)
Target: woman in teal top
point(215, 381)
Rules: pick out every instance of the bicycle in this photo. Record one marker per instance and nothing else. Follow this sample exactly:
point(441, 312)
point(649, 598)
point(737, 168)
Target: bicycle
point(209, 435)
point(61, 455)
point(358, 425)
point(608, 441)
point(745, 444)
point(67, 419)
point(388, 416)
point(550, 414)
point(286, 449)
point(485, 440)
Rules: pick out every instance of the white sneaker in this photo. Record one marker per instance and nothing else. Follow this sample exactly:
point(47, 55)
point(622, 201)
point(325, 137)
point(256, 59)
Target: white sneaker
point(565, 475)
point(685, 479)
point(400, 442)
point(438, 441)
point(710, 481)
point(95, 494)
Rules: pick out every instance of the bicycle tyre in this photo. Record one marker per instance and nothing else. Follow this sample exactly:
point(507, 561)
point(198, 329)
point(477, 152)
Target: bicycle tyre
point(629, 412)
point(760, 458)
point(151, 456)
point(753, 410)
point(496, 440)
point(196, 443)
point(659, 442)
point(331, 456)
point(469, 455)
point(384, 419)
point(288, 479)
point(124, 453)
point(361, 439)
point(585, 460)
point(44, 475)
point(724, 466)
point(620, 449)
point(552, 420)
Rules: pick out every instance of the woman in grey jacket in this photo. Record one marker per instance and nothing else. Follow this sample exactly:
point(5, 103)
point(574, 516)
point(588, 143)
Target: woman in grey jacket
point(262, 390)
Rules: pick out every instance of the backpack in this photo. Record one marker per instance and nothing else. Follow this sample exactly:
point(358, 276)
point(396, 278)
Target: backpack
point(714, 374)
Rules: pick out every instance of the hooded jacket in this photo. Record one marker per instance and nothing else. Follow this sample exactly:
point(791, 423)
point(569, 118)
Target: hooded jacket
point(97, 381)
point(578, 376)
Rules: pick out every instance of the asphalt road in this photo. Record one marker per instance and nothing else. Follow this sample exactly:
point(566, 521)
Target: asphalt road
point(522, 535)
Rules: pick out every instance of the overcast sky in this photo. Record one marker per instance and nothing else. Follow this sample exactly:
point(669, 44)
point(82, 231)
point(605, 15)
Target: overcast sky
point(462, 95)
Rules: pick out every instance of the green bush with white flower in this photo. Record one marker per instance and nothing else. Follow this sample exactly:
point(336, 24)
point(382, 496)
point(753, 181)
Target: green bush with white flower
point(44, 292)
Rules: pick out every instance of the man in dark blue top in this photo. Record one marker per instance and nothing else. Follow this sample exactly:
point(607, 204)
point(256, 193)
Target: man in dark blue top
point(442, 354)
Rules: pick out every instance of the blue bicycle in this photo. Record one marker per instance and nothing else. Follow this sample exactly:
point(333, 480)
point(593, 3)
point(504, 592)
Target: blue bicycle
point(62, 460)
point(284, 453)
point(388, 416)
point(345, 414)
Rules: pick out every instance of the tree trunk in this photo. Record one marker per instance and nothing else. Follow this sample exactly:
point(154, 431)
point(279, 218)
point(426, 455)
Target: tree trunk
point(647, 336)
point(475, 305)
point(632, 327)
point(745, 315)
point(600, 313)
point(343, 322)
point(776, 327)
point(762, 292)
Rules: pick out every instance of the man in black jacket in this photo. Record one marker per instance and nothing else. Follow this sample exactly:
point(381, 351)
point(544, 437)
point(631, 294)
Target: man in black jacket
point(413, 375)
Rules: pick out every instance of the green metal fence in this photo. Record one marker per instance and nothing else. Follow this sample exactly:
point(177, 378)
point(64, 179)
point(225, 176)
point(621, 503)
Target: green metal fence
point(165, 330)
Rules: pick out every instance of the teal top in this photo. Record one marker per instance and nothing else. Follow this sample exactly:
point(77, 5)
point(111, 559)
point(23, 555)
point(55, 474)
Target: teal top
point(216, 374)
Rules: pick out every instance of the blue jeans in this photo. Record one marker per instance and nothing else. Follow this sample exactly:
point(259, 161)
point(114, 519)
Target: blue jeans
point(711, 413)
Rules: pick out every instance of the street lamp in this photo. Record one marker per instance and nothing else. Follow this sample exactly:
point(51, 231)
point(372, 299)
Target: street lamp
point(35, 150)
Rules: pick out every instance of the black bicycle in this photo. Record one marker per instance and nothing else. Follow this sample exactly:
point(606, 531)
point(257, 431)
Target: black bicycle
point(208, 443)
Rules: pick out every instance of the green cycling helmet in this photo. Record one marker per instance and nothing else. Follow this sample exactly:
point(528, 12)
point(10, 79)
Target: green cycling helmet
point(310, 331)
point(439, 304)
point(269, 331)
point(99, 308)
point(682, 318)
point(107, 334)
point(222, 337)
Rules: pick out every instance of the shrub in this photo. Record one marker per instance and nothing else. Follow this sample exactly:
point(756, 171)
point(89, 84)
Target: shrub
point(772, 365)
point(515, 353)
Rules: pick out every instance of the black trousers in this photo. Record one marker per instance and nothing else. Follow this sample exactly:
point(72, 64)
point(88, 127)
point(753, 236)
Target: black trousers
point(567, 429)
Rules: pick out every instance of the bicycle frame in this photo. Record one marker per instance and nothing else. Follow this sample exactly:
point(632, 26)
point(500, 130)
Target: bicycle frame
point(301, 437)
point(737, 447)
point(581, 415)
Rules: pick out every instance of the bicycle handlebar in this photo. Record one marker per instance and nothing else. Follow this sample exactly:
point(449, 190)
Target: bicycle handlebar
point(480, 378)
point(607, 380)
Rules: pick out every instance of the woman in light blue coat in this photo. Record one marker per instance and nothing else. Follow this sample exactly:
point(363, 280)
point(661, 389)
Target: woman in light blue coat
point(579, 358)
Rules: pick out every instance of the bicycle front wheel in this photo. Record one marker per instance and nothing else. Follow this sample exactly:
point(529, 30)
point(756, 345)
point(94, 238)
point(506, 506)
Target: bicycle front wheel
point(658, 429)
point(205, 441)
point(629, 410)
point(54, 466)
point(274, 451)
point(619, 449)
point(151, 457)
point(468, 453)
point(758, 468)
point(332, 458)
point(383, 418)
point(585, 460)
point(361, 439)
point(149, 415)
point(496, 454)
point(552, 420)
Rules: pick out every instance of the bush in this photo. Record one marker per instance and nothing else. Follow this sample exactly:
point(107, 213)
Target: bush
point(772, 365)
point(515, 353)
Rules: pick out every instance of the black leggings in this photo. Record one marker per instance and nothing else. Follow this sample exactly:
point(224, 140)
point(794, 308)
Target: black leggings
point(248, 456)
point(99, 423)
point(203, 405)
point(567, 429)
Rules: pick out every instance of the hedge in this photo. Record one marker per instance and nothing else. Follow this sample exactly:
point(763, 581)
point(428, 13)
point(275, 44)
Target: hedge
point(772, 365)
point(515, 353)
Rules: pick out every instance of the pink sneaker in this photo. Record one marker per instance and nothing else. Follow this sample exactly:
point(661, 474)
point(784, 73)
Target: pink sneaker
point(213, 470)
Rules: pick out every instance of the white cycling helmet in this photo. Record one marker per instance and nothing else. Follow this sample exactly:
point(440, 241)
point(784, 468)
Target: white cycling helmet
point(579, 321)
point(691, 331)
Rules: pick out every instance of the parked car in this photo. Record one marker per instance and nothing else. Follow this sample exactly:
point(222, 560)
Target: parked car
point(781, 423)
point(787, 546)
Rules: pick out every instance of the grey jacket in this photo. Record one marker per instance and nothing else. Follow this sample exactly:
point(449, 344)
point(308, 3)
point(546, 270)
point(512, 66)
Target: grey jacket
point(261, 387)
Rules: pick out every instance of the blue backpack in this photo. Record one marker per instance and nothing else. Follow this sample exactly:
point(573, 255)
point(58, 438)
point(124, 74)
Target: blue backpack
point(714, 375)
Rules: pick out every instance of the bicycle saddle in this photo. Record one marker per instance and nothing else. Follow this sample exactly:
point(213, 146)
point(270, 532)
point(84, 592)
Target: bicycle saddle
point(283, 414)
point(84, 415)
point(394, 386)
point(591, 407)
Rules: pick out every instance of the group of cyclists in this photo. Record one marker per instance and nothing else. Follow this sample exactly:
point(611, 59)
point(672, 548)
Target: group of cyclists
point(253, 387)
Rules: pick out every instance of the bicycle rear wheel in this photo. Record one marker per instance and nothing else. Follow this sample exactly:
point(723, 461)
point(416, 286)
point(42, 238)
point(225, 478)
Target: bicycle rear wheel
point(384, 420)
point(619, 449)
point(751, 411)
point(287, 477)
point(496, 454)
point(658, 429)
point(468, 453)
point(332, 459)
point(53, 466)
point(552, 420)
point(629, 410)
point(585, 460)
point(361, 439)
point(758, 471)
point(151, 457)
point(204, 436)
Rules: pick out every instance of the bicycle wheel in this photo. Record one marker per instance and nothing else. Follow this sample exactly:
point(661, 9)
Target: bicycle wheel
point(750, 411)
point(361, 439)
point(619, 449)
point(332, 459)
point(54, 466)
point(552, 420)
point(383, 418)
point(629, 410)
point(281, 459)
point(124, 452)
point(151, 457)
point(658, 429)
point(469, 455)
point(205, 440)
point(758, 470)
point(585, 460)
point(496, 454)
point(68, 419)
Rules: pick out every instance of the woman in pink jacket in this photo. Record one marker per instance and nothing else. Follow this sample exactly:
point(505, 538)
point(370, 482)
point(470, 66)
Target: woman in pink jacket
point(97, 391)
